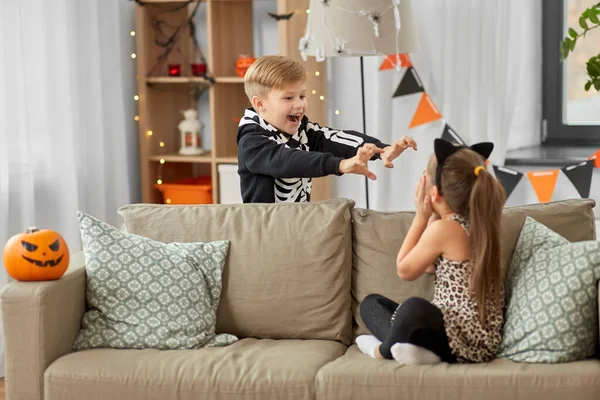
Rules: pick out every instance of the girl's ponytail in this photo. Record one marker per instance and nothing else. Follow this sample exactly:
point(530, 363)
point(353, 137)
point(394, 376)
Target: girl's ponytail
point(485, 214)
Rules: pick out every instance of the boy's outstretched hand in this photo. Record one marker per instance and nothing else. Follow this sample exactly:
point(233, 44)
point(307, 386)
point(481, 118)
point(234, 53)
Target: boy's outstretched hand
point(358, 163)
point(393, 151)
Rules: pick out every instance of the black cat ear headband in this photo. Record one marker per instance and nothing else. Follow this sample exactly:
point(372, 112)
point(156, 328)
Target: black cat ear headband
point(444, 149)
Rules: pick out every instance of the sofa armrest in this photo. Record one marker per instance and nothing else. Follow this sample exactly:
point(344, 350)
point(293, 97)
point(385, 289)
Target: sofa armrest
point(41, 321)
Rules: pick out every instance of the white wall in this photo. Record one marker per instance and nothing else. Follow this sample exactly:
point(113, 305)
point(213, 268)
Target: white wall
point(442, 81)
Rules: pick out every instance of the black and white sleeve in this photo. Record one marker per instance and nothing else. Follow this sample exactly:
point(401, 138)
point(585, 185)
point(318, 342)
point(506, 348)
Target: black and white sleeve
point(338, 143)
point(261, 154)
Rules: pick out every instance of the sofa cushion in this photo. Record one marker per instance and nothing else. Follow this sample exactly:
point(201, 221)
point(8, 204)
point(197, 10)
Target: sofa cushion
point(247, 369)
point(288, 272)
point(146, 294)
point(377, 237)
point(551, 313)
point(357, 376)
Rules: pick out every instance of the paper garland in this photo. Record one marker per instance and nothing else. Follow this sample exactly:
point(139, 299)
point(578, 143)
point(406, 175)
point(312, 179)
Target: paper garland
point(543, 182)
point(452, 136)
point(396, 61)
point(509, 178)
point(426, 112)
point(410, 84)
point(581, 176)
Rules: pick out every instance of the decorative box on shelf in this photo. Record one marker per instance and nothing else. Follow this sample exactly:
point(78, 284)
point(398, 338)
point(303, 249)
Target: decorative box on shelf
point(196, 190)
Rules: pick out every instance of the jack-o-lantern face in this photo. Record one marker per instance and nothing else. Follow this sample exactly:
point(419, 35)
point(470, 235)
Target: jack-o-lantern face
point(36, 255)
point(242, 64)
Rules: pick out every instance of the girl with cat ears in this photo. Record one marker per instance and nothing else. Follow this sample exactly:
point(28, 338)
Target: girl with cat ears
point(456, 235)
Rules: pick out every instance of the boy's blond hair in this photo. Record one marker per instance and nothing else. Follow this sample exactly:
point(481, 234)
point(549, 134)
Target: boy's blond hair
point(272, 72)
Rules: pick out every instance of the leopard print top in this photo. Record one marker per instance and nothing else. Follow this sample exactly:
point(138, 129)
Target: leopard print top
point(468, 339)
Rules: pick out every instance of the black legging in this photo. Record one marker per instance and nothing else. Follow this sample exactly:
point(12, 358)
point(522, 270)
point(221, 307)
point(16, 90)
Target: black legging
point(416, 322)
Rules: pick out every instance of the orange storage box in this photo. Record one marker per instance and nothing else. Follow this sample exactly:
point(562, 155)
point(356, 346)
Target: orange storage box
point(187, 191)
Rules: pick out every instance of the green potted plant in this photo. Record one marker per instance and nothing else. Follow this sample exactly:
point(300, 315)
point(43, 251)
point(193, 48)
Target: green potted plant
point(589, 19)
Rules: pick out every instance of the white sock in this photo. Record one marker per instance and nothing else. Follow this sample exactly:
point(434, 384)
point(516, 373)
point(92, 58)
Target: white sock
point(367, 344)
point(406, 353)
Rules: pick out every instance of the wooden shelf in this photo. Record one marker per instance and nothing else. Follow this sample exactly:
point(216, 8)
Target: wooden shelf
point(177, 80)
point(178, 158)
point(164, 1)
point(226, 160)
point(163, 97)
point(229, 79)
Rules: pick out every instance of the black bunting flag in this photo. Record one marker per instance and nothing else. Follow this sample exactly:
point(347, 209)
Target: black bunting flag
point(581, 176)
point(508, 178)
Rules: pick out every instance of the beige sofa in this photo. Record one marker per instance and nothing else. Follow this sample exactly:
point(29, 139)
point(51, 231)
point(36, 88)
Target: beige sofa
point(292, 282)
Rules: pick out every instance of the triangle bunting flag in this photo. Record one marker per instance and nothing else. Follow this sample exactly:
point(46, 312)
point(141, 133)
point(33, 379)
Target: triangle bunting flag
point(390, 62)
point(426, 112)
point(409, 84)
point(508, 178)
point(543, 183)
point(581, 176)
point(451, 136)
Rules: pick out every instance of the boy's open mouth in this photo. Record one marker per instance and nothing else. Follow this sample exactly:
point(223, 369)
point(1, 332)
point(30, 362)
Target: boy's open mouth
point(295, 118)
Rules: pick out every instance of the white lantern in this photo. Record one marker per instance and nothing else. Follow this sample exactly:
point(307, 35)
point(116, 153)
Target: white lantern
point(190, 129)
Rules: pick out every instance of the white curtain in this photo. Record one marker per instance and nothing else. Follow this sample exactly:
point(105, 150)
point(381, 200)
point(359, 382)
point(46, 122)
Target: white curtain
point(479, 60)
point(67, 135)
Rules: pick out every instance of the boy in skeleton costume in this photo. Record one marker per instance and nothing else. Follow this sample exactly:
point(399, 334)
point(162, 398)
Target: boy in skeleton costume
point(280, 150)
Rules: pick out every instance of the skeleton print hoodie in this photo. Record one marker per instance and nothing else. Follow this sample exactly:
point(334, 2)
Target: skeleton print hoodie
point(275, 167)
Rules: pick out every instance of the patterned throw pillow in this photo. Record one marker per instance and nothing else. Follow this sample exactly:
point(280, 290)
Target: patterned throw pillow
point(147, 294)
point(552, 304)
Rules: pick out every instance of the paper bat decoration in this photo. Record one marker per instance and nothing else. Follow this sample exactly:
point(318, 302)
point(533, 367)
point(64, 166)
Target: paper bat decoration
point(280, 17)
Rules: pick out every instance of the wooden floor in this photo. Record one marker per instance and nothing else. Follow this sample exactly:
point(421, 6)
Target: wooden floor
point(2, 392)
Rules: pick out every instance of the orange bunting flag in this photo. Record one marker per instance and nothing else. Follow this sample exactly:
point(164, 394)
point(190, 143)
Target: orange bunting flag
point(391, 60)
point(543, 183)
point(596, 158)
point(426, 112)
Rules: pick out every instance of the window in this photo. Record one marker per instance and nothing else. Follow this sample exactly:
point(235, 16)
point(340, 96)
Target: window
point(571, 115)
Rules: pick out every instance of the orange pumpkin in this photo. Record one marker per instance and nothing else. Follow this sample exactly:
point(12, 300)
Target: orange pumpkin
point(36, 255)
point(242, 64)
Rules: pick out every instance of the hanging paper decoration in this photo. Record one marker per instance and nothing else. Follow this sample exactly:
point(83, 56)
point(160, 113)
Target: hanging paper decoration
point(426, 112)
point(396, 61)
point(451, 136)
point(596, 158)
point(410, 84)
point(508, 178)
point(543, 183)
point(281, 17)
point(581, 176)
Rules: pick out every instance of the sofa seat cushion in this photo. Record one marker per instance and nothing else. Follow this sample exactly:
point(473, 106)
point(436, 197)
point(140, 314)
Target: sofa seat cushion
point(357, 376)
point(248, 369)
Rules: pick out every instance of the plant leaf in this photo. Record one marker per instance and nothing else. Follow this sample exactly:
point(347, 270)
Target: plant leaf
point(564, 49)
point(594, 18)
point(583, 23)
point(573, 33)
point(593, 68)
point(588, 85)
point(597, 84)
